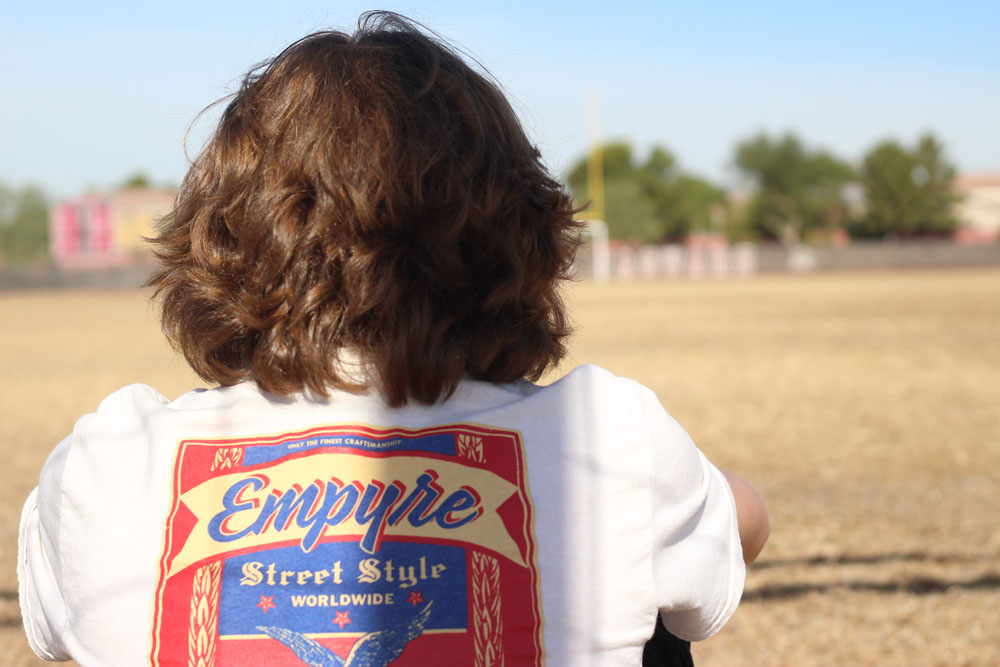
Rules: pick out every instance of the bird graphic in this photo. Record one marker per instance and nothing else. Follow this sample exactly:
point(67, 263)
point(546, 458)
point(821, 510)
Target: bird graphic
point(375, 649)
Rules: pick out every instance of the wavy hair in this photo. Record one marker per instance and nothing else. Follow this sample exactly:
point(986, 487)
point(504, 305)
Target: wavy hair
point(371, 193)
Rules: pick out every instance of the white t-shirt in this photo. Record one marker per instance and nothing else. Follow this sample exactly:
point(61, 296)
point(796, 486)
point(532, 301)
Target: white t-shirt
point(546, 525)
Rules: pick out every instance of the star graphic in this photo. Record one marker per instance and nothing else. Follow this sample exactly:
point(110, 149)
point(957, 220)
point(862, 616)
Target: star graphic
point(343, 618)
point(416, 597)
point(266, 602)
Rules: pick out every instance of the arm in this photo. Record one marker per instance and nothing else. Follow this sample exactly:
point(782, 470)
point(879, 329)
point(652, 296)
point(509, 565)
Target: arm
point(751, 514)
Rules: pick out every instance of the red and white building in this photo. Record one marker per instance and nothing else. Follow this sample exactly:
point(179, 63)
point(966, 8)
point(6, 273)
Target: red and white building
point(99, 230)
point(978, 211)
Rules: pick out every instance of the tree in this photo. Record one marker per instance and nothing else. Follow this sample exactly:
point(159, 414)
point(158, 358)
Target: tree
point(907, 192)
point(796, 189)
point(616, 158)
point(649, 202)
point(137, 179)
point(685, 204)
point(24, 224)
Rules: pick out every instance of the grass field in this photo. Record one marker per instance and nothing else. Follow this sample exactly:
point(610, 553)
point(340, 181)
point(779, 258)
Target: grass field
point(865, 408)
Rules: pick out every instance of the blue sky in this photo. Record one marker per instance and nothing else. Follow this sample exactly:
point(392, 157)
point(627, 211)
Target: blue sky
point(90, 92)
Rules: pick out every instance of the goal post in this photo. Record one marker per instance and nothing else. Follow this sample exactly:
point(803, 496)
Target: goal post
point(593, 259)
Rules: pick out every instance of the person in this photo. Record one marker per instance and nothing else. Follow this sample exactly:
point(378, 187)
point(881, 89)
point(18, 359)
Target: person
point(366, 259)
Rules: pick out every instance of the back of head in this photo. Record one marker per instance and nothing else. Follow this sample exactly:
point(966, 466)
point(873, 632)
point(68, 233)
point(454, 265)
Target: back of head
point(368, 193)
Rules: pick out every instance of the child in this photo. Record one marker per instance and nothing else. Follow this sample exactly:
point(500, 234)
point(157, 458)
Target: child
point(366, 258)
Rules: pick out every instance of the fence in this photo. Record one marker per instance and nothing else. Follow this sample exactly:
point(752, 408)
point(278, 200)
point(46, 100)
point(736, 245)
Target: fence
point(625, 262)
point(48, 276)
point(720, 260)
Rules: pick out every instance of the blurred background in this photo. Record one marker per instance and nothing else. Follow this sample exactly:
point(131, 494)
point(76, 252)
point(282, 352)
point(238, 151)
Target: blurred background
point(774, 123)
point(794, 239)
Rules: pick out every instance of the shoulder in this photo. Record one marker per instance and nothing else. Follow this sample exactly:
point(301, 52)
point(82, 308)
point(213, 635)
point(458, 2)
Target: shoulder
point(142, 401)
point(121, 413)
point(134, 398)
point(605, 391)
point(115, 437)
point(676, 460)
point(591, 377)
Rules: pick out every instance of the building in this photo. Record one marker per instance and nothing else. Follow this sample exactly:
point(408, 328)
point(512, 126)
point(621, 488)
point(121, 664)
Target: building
point(100, 230)
point(978, 211)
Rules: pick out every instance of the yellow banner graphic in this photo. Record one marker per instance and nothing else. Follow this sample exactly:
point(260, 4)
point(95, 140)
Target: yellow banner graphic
point(329, 495)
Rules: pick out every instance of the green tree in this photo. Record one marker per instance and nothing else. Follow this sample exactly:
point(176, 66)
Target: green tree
point(907, 192)
point(616, 158)
point(651, 201)
point(685, 204)
point(137, 179)
point(629, 212)
point(24, 224)
point(796, 189)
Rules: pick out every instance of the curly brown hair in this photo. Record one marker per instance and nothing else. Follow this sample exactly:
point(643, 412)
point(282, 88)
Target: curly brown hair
point(372, 193)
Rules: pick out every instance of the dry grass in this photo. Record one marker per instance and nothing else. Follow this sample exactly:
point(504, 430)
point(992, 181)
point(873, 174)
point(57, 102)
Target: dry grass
point(866, 409)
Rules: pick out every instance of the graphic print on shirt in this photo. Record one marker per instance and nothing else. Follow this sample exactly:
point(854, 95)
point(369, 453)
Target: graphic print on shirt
point(350, 545)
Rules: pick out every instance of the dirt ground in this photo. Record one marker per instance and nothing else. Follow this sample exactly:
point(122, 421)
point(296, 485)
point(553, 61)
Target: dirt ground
point(864, 407)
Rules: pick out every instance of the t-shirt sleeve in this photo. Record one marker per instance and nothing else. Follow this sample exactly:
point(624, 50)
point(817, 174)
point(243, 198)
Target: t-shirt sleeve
point(43, 611)
point(698, 564)
point(44, 552)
